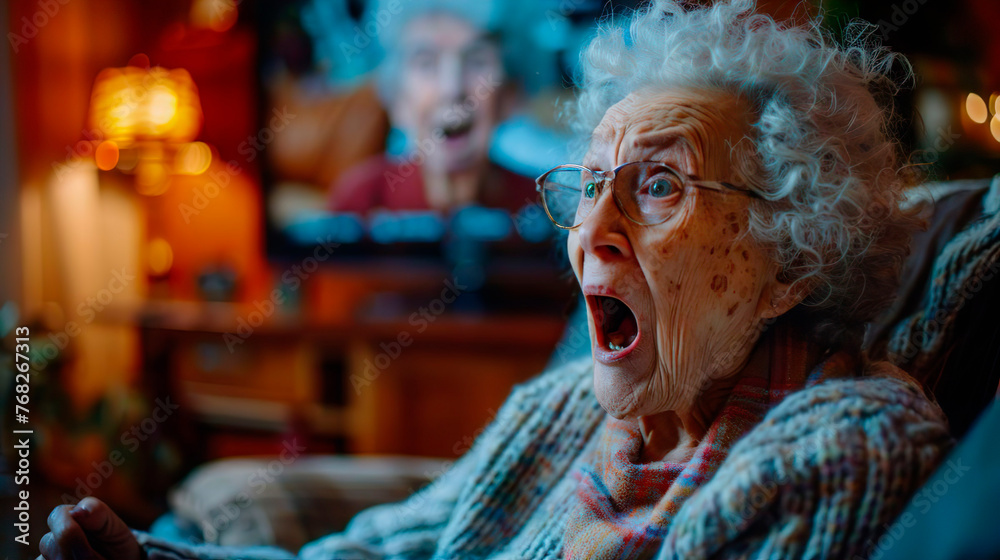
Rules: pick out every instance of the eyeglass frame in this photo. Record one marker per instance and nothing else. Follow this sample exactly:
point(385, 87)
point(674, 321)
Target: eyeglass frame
point(611, 175)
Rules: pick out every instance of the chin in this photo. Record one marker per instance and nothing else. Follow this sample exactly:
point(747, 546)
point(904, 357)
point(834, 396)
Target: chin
point(616, 393)
point(625, 395)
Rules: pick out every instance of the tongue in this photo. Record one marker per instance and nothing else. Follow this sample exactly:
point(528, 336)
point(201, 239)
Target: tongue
point(625, 333)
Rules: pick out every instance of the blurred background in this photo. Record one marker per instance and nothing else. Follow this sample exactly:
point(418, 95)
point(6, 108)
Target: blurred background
point(231, 224)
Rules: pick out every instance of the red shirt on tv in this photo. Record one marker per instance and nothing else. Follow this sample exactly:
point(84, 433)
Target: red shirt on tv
point(383, 183)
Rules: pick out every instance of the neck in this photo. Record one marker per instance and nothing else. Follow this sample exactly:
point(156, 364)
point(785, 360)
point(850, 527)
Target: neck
point(674, 435)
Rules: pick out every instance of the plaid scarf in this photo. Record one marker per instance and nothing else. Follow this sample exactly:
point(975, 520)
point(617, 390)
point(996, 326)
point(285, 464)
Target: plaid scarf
point(626, 507)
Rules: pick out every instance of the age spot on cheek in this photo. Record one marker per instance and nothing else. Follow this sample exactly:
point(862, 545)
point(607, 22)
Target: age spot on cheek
point(733, 220)
point(719, 283)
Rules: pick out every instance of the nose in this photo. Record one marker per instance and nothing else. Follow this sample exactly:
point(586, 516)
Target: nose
point(452, 79)
point(602, 233)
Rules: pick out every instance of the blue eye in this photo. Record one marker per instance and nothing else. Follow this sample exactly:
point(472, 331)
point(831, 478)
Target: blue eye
point(590, 190)
point(661, 188)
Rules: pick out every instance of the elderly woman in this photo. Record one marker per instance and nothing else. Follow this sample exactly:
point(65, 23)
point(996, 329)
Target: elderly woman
point(733, 225)
point(445, 86)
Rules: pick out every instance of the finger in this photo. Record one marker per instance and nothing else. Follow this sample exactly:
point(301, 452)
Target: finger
point(56, 512)
point(67, 540)
point(51, 550)
point(110, 535)
point(47, 547)
point(100, 522)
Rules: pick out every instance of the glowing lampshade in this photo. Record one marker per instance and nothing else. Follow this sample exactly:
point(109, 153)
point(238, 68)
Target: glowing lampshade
point(134, 104)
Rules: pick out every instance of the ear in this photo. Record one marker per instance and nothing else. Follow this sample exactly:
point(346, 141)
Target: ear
point(779, 296)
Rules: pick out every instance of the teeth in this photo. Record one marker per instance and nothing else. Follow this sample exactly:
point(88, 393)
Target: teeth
point(615, 347)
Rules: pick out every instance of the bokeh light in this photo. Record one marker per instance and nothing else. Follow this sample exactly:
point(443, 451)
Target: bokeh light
point(162, 105)
point(159, 256)
point(193, 158)
point(151, 178)
point(976, 108)
point(106, 155)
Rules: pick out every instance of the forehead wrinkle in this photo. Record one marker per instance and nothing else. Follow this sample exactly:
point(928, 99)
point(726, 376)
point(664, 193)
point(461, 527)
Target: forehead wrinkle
point(616, 136)
point(669, 139)
point(664, 120)
point(690, 126)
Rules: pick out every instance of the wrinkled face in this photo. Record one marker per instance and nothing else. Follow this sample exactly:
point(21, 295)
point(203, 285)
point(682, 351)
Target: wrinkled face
point(675, 305)
point(448, 95)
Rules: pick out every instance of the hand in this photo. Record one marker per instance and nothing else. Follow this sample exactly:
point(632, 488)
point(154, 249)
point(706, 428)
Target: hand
point(89, 530)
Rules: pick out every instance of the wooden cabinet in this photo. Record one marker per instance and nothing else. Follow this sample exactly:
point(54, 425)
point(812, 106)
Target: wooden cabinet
point(445, 387)
point(392, 386)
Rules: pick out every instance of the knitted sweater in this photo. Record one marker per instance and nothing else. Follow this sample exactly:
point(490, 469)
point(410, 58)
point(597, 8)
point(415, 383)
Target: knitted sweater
point(821, 476)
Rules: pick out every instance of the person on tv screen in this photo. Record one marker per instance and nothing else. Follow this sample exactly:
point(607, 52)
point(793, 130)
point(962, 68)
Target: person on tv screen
point(444, 84)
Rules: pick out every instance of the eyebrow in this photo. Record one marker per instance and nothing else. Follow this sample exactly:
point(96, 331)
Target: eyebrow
point(662, 141)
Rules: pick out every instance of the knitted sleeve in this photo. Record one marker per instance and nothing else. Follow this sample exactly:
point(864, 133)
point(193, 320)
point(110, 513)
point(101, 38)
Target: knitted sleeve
point(824, 475)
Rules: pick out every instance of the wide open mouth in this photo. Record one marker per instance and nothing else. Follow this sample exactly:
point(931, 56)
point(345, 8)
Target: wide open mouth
point(616, 325)
point(457, 129)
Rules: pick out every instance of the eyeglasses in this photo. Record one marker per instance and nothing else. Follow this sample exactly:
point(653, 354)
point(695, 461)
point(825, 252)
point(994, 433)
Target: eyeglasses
point(646, 192)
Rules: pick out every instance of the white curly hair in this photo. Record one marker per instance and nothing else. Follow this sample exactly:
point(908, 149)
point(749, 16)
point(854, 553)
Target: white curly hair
point(822, 153)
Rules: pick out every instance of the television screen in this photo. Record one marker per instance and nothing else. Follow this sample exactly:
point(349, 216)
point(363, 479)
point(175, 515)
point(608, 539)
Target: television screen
point(410, 133)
